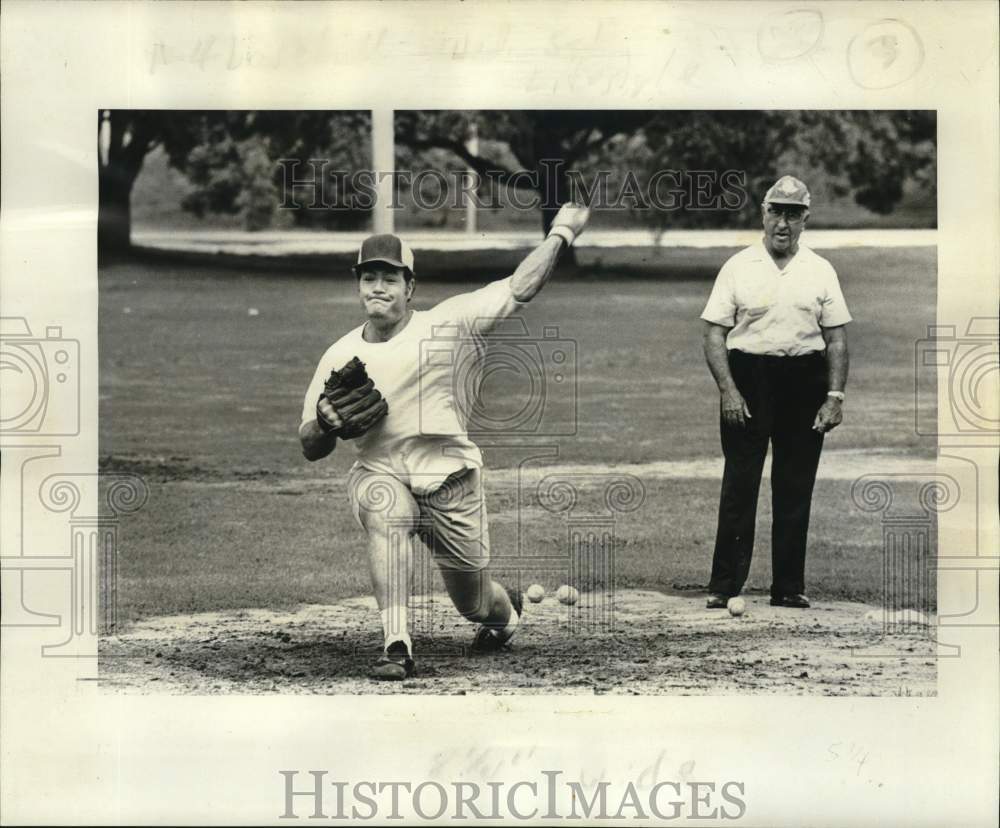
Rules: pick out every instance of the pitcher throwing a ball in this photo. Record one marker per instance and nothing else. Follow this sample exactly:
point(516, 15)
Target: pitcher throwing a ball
point(416, 468)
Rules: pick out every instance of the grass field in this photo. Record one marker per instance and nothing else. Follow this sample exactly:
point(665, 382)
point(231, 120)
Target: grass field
point(203, 399)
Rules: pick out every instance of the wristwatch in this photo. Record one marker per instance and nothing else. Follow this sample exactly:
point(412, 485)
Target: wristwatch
point(836, 394)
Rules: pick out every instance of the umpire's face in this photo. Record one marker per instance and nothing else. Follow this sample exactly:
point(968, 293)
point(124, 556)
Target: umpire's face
point(384, 291)
point(783, 224)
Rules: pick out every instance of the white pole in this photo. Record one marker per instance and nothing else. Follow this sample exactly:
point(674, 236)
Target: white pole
point(384, 164)
point(472, 145)
point(104, 137)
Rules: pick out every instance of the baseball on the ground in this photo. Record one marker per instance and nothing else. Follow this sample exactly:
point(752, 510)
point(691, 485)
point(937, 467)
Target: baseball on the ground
point(535, 593)
point(736, 606)
point(567, 594)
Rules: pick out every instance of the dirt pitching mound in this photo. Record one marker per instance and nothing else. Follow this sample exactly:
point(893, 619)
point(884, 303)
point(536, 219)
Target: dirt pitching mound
point(659, 644)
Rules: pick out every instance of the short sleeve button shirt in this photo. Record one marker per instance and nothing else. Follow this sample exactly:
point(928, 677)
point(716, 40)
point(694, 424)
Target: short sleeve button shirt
point(774, 311)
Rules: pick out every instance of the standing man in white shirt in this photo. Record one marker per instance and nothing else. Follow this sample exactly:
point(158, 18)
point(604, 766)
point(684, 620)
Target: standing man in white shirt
point(776, 345)
point(416, 468)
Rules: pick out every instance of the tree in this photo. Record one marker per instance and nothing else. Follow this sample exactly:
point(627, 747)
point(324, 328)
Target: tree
point(235, 166)
point(231, 157)
point(128, 137)
point(543, 144)
point(870, 154)
point(867, 154)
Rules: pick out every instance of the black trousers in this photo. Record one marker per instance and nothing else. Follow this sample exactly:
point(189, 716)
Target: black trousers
point(783, 395)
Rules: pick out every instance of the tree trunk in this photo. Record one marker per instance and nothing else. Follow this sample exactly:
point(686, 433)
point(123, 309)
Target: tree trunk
point(114, 213)
point(131, 136)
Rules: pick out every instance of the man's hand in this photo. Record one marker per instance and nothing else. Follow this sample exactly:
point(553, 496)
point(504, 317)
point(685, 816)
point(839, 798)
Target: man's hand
point(829, 416)
point(735, 411)
point(570, 222)
point(327, 417)
point(350, 404)
point(532, 274)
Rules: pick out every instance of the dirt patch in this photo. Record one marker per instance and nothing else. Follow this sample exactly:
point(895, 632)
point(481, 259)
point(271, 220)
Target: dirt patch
point(659, 644)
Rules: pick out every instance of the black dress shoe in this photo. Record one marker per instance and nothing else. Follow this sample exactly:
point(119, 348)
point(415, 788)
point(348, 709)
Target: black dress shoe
point(716, 600)
point(797, 601)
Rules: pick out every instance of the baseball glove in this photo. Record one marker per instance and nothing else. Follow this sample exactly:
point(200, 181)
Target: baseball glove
point(356, 402)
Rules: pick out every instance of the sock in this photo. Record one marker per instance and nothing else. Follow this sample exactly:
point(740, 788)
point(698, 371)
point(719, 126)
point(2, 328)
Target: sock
point(396, 627)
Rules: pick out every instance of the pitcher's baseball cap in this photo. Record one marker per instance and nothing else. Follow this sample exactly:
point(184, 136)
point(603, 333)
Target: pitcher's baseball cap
point(788, 190)
point(385, 247)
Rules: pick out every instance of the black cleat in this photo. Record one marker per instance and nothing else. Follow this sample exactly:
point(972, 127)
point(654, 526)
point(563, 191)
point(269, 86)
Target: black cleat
point(716, 600)
point(797, 601)
point(486, 641)
point(395, 664)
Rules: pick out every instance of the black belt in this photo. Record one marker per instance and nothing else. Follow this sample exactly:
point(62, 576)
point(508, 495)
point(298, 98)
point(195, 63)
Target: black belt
point(812, 356)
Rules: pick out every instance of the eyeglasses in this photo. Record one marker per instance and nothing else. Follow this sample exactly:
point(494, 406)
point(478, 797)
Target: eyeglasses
point(791, 212)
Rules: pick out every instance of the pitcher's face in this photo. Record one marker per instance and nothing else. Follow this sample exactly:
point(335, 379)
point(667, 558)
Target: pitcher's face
point(384, 291)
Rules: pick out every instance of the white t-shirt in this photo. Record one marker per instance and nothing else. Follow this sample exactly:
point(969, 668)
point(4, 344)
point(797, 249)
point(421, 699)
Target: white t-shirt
point(428, 374)
point(775, 311)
